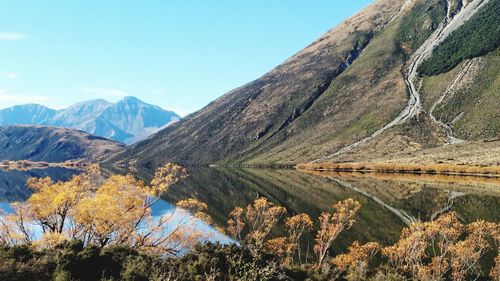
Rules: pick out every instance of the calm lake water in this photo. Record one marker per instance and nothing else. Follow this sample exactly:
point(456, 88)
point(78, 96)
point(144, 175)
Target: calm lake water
point(389, 202)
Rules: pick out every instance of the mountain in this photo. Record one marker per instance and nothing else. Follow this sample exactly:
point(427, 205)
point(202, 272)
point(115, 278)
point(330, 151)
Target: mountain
point(52, 144)
point(26, 114)
point(136, 118)
point(82, 114)
point(128, 120)
point(369, 88)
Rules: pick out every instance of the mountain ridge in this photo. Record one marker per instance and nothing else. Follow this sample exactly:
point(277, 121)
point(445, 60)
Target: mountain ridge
point(247, 115)
point(128, 120)
point(52, 144)
point(341, 89)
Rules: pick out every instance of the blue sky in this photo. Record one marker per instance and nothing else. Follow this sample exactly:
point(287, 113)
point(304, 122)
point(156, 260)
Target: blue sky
point(179, 55)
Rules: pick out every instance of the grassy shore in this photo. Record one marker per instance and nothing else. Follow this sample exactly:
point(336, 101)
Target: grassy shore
point(443, 169)
point(30, 165)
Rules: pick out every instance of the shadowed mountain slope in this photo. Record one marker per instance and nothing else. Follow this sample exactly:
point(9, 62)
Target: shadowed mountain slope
point(52, 144)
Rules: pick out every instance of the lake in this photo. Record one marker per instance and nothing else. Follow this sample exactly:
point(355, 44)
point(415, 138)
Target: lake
point(389, 201)
point(13, 183)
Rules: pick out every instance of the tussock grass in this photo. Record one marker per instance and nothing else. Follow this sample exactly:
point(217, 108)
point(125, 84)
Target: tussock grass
point(484, 183)
point(26, 165)
point(447, 169)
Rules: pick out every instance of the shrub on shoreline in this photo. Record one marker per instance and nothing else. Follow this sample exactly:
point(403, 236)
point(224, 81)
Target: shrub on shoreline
point(102, 229)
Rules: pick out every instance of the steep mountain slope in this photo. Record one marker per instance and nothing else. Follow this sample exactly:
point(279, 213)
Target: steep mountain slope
point(52, 144)
point(358, 84)
point(469, 104)
point(468, 64)
point(249, 116)
point(459, 105)
point(128, 120)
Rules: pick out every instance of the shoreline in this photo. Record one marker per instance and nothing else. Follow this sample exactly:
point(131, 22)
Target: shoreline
point(21, 165)
point(397, 168)
point(483, 182)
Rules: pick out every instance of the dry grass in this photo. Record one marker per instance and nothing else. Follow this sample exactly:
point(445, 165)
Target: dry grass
point(445, 169)
point(484, 183)
point(25, 165)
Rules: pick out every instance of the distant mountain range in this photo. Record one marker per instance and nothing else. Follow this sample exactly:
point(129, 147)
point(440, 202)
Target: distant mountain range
point(127, 121)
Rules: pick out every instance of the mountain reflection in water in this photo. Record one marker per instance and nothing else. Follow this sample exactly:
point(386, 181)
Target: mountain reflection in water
point(389, 202)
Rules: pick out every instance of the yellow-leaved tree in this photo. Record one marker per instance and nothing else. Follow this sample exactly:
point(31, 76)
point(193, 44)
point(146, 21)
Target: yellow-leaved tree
point(260, 217)
point(332, 224)
point(102, 212)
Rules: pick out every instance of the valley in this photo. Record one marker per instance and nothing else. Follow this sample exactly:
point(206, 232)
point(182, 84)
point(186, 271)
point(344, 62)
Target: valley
point(372, 104)
point(357, 94)
point(371, 154)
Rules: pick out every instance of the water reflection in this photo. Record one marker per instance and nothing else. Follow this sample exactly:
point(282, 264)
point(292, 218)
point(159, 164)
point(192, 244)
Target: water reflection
point(13, 189)
point(13, 182)
point(389, 202)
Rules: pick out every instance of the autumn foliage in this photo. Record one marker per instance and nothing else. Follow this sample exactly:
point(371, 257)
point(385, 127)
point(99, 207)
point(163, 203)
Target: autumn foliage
point(102, 212)
point(444, 169)
point(108, 213)
point(332, 224)
point(443, 249)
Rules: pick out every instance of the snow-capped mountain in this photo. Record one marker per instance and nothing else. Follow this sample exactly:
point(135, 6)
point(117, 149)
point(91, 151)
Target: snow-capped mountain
point(128, 120)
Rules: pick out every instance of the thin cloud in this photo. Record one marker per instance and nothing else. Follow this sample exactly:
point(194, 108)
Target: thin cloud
point(12, 36)
point(105, 91)
point(10, 99)
point(11, 75)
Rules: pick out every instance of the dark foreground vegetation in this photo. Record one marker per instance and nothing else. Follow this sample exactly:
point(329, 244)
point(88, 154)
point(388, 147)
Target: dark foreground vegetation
point(72, 260)
point(91, 228)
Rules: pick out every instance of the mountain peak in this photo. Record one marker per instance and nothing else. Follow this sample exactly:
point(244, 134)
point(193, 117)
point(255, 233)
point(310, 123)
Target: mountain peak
point(131, 98)
point(94, 102)
point(29, 105)
point(127, 120)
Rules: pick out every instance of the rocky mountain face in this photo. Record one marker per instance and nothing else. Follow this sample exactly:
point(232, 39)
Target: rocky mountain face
point(26, 114)
point(127, 121)
point(52, 144)
point(358, 92)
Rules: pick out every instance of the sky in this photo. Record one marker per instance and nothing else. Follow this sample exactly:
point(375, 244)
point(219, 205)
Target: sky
point(179, 55)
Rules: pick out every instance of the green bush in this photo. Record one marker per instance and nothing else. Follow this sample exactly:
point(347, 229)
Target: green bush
point(72, 261)
point(477, 37)
point(68, 261)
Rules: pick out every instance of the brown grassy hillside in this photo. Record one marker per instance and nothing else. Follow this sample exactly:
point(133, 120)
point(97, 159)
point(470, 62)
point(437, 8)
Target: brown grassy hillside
point(52, 144)
point(339, 90)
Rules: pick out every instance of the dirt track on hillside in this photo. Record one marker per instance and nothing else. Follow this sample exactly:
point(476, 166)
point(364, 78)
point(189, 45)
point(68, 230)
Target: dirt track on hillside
point(445, 28)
